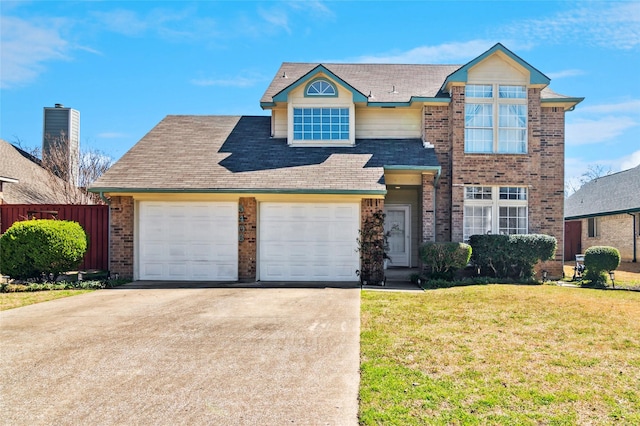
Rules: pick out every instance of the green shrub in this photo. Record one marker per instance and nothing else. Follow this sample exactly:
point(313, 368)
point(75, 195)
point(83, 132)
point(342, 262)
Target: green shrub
point(444, 259)
point(598, 260)
point(511, 256)
point(35, 247)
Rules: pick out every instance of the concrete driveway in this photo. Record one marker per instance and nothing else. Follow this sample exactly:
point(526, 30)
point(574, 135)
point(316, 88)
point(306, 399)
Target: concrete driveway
point(137, 356)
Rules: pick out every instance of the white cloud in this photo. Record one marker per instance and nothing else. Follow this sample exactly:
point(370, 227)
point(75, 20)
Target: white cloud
point(168, 23)
point(564, 74)
point(601, 129)
point(27, 46)
point(122, 21)
point(628, 107)
point(276, 17)
point(444, 53)
point(612, 25)
point(630, 161)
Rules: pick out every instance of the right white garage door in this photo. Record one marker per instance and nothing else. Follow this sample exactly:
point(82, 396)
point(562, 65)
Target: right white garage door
point(309, 241)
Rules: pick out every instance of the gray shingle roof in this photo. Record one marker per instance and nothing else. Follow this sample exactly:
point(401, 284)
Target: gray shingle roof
point(413, 80)
point(615, 193)
point(377, 79)
point(34, 184)
point(227, 153)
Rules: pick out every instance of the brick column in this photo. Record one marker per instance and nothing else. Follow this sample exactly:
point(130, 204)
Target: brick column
point(247, 238)
point(370, 273)
point(428, 213)
point(437, 131)
point(121, 218)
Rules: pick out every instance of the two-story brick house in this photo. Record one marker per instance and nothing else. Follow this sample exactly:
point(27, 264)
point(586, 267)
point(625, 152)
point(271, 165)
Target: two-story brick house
point(445, 150)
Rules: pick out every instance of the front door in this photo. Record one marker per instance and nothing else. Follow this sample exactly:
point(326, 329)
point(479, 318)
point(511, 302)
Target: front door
point(396, 226)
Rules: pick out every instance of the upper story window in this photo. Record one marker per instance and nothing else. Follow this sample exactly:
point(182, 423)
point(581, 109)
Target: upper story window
point(321, 87)
point(321, 124)
point(495, 119)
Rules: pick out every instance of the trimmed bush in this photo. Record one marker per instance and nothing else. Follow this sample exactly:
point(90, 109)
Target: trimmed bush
point(598, 260)
point(32, 248)
point(444, 259)
point(511, 256)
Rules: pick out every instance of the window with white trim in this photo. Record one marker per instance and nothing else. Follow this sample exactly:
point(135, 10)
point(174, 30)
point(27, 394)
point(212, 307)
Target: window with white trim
point(321, 124)
point(321, 88)
point(495, 209)
point(495, 119)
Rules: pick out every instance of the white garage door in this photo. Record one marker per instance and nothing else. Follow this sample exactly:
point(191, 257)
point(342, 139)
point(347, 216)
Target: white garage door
point(309, 241)
point(188, 241)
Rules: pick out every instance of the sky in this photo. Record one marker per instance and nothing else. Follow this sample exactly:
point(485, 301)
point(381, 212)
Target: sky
point(125, 65)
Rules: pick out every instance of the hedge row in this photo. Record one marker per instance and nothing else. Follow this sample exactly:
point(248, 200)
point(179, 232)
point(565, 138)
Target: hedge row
point(511, 256)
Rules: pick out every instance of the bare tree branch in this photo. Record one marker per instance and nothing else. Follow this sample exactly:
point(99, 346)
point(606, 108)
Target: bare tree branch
point(63, 177)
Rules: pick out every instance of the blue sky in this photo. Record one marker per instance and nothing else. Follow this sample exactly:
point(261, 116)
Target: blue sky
point(126, 65)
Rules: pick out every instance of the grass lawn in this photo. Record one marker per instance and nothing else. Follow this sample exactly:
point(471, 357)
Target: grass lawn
point(500, 354)
point(24, 298)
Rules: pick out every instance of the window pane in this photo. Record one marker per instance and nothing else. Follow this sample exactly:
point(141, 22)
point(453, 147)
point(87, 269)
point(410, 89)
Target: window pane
point(512, 220)
point(478, 115)
point(478, 91)
point(477, 220)
point(477, 193)
point(513, 193)
point(477, 140)
point(512, 92)
point(321, 88)
point(317, 123)
point(513, 116)
point(512, 141)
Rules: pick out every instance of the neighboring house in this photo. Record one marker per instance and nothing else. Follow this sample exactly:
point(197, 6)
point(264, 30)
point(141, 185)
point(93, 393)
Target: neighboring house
point(24, 181)
point(445, 150)
point(605, 212)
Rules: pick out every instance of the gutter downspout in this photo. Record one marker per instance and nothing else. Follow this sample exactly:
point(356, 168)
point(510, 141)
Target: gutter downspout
point(635, 239)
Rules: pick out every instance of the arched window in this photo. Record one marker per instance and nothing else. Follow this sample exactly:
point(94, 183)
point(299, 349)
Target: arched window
point(321, 88)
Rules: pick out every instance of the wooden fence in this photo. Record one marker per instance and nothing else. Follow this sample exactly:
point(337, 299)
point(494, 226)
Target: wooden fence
point(93, 218)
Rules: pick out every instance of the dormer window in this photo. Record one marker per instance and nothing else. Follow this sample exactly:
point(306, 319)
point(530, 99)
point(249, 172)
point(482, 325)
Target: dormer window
point(321, 87)
point(315, 124)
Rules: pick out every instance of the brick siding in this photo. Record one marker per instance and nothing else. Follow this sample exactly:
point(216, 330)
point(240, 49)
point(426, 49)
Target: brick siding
point(615, 231)
point(428, 213)
point(541, 169)
point(121, 211)
point(247, 244)
point(437, 132)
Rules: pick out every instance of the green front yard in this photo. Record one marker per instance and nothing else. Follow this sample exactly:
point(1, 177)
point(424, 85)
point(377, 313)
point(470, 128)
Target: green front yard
point(500, 354)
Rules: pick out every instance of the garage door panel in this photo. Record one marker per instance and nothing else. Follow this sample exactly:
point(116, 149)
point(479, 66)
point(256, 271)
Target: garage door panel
point(308, 242)
point(188, 241)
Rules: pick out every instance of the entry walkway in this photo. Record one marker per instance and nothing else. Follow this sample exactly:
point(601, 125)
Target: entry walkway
point(398, 279)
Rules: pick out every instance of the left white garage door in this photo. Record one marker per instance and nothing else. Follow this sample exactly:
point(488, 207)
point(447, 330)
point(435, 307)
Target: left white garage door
point(188, 241)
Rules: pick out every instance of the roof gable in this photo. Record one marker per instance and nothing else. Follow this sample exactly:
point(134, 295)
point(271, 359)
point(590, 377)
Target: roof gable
point(462, 74)
point(282, 96)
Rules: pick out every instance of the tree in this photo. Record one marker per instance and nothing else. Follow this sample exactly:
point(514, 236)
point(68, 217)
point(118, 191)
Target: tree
point(594, 171)
point(68, 176)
